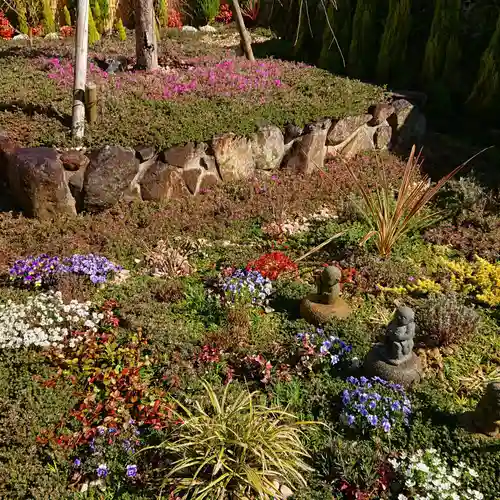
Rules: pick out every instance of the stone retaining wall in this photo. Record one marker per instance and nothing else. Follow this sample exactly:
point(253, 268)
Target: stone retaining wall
point(44, 182)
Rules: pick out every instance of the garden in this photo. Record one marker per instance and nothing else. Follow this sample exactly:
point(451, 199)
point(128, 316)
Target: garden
point(325, 336)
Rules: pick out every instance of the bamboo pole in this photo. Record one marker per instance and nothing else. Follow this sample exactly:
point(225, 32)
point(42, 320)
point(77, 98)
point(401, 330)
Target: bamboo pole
point(91, 102)
point(245, 40)
point(81, 49)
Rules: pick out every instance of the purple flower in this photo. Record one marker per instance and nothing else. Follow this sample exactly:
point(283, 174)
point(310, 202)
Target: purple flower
point(77, 462)
point(131, 470)
point(372, 419)
point(350, 419)
point(386, 425)
point(396, 406)
point(102, 470)
point(372, 405)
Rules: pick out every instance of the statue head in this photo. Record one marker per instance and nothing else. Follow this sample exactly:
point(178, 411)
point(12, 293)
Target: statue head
point(404, 316)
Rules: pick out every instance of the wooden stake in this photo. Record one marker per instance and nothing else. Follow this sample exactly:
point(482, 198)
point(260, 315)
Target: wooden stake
point(245, 40)
point(91, 102)
point(81, 49)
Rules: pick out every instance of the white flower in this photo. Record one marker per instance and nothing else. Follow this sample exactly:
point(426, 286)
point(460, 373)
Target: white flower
point(422, 467)
point(409, 483)
point(472, 472)
point(402, 497)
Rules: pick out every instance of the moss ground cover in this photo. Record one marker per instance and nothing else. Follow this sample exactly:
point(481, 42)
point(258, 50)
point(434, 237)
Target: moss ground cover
point(201, 92)
point(199, 336)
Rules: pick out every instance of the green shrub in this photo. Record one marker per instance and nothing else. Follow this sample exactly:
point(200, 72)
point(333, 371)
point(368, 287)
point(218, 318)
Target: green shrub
point(237, 448)
point(21, 17)
point(49, 24)
point(122, 34)
point(208, 9)
point(162, 13)
point(94, 35)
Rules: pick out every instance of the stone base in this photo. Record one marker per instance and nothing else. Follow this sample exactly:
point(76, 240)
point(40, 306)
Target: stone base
point(406, 373)
point(479, 426)
point(318, 314)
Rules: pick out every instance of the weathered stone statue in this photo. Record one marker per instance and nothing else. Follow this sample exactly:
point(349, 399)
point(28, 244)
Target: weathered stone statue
point(486, 417)
point(394, 359)
point(318, 308)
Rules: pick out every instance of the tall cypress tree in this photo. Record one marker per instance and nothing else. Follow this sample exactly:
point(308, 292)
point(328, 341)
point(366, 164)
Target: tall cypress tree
point(336, 36)
point(392, 54)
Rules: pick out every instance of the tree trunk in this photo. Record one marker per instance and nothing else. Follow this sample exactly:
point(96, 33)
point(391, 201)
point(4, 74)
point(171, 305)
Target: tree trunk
point(81, 48)
point(145, 40)
point(245, 40)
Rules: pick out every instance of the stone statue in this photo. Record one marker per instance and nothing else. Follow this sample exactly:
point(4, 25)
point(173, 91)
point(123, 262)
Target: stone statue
point(318, 308)
point(399, 336)
point(394, 359)
point(486, 417)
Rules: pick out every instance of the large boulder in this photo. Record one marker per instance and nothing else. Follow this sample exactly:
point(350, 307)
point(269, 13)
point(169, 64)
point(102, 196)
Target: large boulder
point(268, 147)
point(197, 167)
point(344, 128)
point(234, 157)
point(162, 182)
point(308, 151)
point(37, 183)
point(113, 175)
point(408, 125)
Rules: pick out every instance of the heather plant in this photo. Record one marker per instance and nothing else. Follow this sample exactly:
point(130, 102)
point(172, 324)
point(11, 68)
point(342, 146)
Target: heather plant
point(446, 320)
point(373, 405)
point(392, 218)
point(426, 474)
point(44, 320)
point(235, 448)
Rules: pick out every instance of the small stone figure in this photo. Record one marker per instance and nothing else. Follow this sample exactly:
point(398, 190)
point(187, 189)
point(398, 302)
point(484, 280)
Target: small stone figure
point(399, 336)
point(486, 417)
point(394, 359)
point(318, 308)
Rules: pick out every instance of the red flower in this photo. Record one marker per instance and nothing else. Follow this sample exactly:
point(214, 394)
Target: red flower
point(225, 14)
point(174, 19)
point(271, 265)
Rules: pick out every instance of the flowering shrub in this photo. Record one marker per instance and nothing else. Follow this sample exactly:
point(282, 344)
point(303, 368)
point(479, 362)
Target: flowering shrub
point(174, 19)
point(271, 265)
point(243, 286)
point(250, 10)
point(66, 31)
point(6, 30)
point(225, 14)
point(203, 78)
point(43, 270)
point(374, 404)
point(110, 453)
point(328, 349)
point(44, 320)
point(426, 475)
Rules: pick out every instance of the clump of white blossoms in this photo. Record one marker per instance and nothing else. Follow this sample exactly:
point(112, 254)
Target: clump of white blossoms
point(425, 475)
point(44, 320)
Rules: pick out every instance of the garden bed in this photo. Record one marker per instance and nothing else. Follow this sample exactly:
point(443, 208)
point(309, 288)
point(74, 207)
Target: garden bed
point(201, 91)
point(165, 317)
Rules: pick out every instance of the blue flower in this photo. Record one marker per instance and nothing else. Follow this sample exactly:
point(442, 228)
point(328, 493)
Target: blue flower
point(372, 405)
point(131, 470)
point(77, 462)
point(386, 425)
point(102, 470)
point(372, 419)
point(346, 397)
point(350, 419)
point(396, 406)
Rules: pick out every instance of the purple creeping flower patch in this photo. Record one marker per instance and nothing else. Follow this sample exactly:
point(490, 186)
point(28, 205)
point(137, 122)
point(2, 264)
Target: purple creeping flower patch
point(374, 404)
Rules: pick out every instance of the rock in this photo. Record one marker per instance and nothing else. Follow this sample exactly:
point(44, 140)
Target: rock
point(199, 170)
point(308, 151)
point(380, 113)
point(21, 36)
point(486, 417)
point(52, 36)
point(7, 145)
point(115, 65)
point(144, 153)
point(113, 175)
point(406, 374)
point(75, 184)
point(292, 132)
point(37, 183)
point(189, 29)
point(162, 182)
point(234, 157)
point(73, 160)
point(208, 29)
point(268, 147)
point(408, 125)
point(382, 136)
point(360, 143)
point(345, 127)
